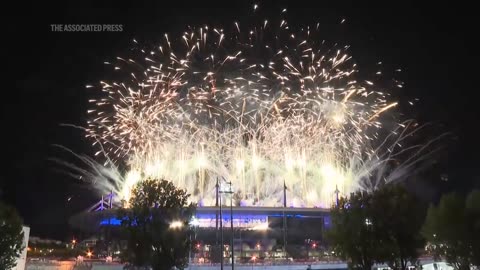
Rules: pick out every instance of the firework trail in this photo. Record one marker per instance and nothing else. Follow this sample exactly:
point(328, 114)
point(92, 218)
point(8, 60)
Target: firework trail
point(258, 106)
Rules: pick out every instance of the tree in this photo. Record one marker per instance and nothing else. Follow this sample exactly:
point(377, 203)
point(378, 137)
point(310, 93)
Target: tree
point(152, 241)
point(473, 212)
point(353, 235)
point(379, 227)
point(452, 228)
point(398, 217)
point(11, 236)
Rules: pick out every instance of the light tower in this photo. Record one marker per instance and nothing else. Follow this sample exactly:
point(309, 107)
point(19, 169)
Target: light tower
point(336, 194)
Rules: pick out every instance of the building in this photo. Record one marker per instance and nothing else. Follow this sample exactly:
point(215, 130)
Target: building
point(21, 261)
point(258, 233)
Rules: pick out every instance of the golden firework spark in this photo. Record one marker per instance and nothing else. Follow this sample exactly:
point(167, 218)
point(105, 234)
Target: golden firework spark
point(258, 107)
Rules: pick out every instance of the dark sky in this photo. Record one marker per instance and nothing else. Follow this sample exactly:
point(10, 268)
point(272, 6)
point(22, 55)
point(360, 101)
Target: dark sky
point(45, 74)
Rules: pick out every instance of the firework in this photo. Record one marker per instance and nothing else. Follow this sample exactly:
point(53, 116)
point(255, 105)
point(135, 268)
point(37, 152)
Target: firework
point(260, 107)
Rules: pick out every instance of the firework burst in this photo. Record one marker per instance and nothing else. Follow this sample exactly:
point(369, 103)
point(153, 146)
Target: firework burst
point(260, 107)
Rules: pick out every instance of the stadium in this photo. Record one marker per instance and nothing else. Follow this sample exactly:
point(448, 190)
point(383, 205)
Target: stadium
point(258, 234)
point(245, 106)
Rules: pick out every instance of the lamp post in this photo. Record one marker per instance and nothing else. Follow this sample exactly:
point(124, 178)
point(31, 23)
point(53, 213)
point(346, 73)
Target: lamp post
point(221, 233)
point(216, 212)
point(231, 225)
point(230, 191)
point(336, 194)
point(190, 252)
point(192, 225)
point(241, 243)
point(284, 231)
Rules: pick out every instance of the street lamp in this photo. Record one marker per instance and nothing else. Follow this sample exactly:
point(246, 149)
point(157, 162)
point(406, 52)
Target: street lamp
point(230, 191)
point(176, 224)
point(221, 230)
point(194, 223)
point(368, 222)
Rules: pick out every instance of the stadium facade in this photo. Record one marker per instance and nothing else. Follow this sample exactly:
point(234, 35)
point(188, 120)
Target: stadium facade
point(257, 233)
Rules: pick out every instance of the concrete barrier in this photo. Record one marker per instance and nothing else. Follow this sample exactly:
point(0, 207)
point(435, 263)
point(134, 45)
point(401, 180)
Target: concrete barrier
point(70, 265)
point(274, 267)
point(332, 265)
point(39, 265)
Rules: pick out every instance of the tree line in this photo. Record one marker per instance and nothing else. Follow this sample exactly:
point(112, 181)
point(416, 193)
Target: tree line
point(392, 226)
point(388, 226)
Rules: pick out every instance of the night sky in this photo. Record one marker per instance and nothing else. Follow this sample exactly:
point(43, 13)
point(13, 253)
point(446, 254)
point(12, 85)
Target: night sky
point(45, 73)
